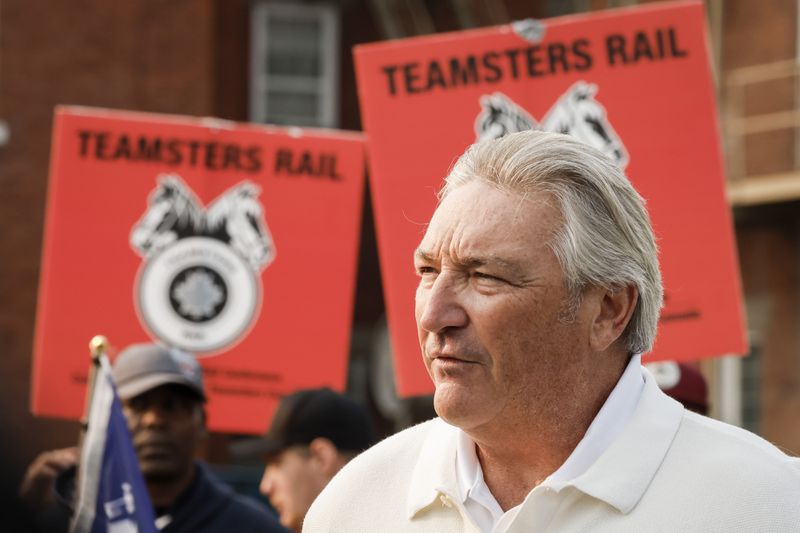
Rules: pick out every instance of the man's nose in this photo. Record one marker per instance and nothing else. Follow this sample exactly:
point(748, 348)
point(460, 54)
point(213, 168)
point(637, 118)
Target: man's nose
point(439, 305)
point(265, 487)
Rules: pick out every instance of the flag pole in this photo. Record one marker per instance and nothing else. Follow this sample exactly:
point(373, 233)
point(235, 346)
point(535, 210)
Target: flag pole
point(97, 348)
point(111, 492)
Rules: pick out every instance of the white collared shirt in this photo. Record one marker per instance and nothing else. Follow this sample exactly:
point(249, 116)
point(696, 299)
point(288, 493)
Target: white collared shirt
point(478, 500)
point(667, 470)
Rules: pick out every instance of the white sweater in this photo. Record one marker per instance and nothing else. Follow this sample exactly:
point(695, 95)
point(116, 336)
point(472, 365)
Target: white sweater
point(669, 471)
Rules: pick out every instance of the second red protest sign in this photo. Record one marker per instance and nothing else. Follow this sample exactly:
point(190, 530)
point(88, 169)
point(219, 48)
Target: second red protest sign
point(634, 83)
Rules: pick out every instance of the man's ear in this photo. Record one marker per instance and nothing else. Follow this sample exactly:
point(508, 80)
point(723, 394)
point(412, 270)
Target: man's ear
point(614, 311)
point(201, 414)
point(325, 454)
point(201, 441)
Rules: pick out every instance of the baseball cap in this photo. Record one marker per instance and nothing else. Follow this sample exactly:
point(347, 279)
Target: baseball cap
point(306, 415)
point(142, 367)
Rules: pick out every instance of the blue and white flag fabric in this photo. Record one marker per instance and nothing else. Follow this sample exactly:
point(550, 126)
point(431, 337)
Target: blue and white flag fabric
point(112, 496)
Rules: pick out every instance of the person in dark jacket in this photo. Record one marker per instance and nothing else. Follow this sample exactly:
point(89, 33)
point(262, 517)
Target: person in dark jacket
point(163, 398)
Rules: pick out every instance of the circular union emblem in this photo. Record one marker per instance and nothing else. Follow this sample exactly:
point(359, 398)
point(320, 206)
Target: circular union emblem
point(198, 294)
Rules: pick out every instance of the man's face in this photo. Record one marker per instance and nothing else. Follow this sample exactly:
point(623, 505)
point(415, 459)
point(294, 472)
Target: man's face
point(292, 481)
point(167, 424)
point(492, 308)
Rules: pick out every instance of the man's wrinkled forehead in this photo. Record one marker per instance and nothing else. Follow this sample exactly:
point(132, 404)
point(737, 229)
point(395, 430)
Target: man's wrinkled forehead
point(455, 218)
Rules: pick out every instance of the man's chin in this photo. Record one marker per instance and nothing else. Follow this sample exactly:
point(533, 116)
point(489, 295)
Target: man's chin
point(291, 523)
point(457, 406)
point(160, 473)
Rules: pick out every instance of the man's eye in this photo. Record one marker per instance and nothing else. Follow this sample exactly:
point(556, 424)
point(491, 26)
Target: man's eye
point(484, 275)
point(178, 405)
point(425, 270)
point(135, 405)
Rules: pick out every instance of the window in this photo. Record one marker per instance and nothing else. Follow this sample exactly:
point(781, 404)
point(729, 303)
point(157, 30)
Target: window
point(751, 390)
point(294, 70)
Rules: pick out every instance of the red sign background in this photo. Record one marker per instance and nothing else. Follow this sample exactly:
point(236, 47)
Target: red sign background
point(420, 99)
point(311, 191)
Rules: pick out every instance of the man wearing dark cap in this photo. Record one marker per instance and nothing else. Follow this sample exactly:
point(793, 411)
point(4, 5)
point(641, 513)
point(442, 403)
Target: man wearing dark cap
point(313, 435)
point(682, 381)
point(163, 398)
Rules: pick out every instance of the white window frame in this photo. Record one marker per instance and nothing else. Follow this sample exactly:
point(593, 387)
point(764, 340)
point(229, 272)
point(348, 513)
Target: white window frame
point(326, 86)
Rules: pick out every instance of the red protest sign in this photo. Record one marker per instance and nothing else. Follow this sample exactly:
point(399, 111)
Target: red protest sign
point(634, 83)
point(236, 242)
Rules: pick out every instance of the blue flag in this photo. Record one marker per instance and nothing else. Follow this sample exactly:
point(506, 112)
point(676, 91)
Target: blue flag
point(112, 497)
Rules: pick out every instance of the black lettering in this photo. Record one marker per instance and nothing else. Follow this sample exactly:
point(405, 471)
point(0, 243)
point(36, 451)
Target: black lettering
point(327, 165)
point(411, 78)
point(306, 164)
point(435, 76)
point(149, 150)
point(232, 391)
point(194, 146)
point(249, 374)
point(100, 145)
point(512, 60)
point(123, 148)
point(489, 63)
point(534, 60)
point(615, 48)
point(105, 146)
point(389, 71)
point(641, 47)
point(691, 314)
point(580, 48)
point(211, 152)
point(253, 155)
point(674, 49)
point(660, 51)
point(84, 137)
point(464, 74)
point(557, 58)
point(283, 161)
point(174, 157)
point(230, 157)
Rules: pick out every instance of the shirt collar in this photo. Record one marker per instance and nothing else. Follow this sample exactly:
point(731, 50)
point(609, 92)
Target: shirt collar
point(605, 428)
point(470, 476)
point(435, 472)
point(619, 476)
point(622, 474)
point(468, 472)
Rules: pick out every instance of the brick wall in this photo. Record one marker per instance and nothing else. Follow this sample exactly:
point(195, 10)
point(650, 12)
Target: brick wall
point(769, 236)
point(151, 55)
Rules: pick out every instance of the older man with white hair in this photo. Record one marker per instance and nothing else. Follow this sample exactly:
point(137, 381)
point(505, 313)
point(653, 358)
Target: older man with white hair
point(538, 289)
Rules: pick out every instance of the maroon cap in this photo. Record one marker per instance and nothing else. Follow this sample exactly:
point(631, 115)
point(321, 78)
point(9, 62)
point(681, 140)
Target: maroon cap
point(682, 381)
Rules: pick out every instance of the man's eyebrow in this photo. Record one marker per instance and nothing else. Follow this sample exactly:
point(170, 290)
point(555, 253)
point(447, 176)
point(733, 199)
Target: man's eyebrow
point(423, 255)
point(479, 261)
point(469, 261)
